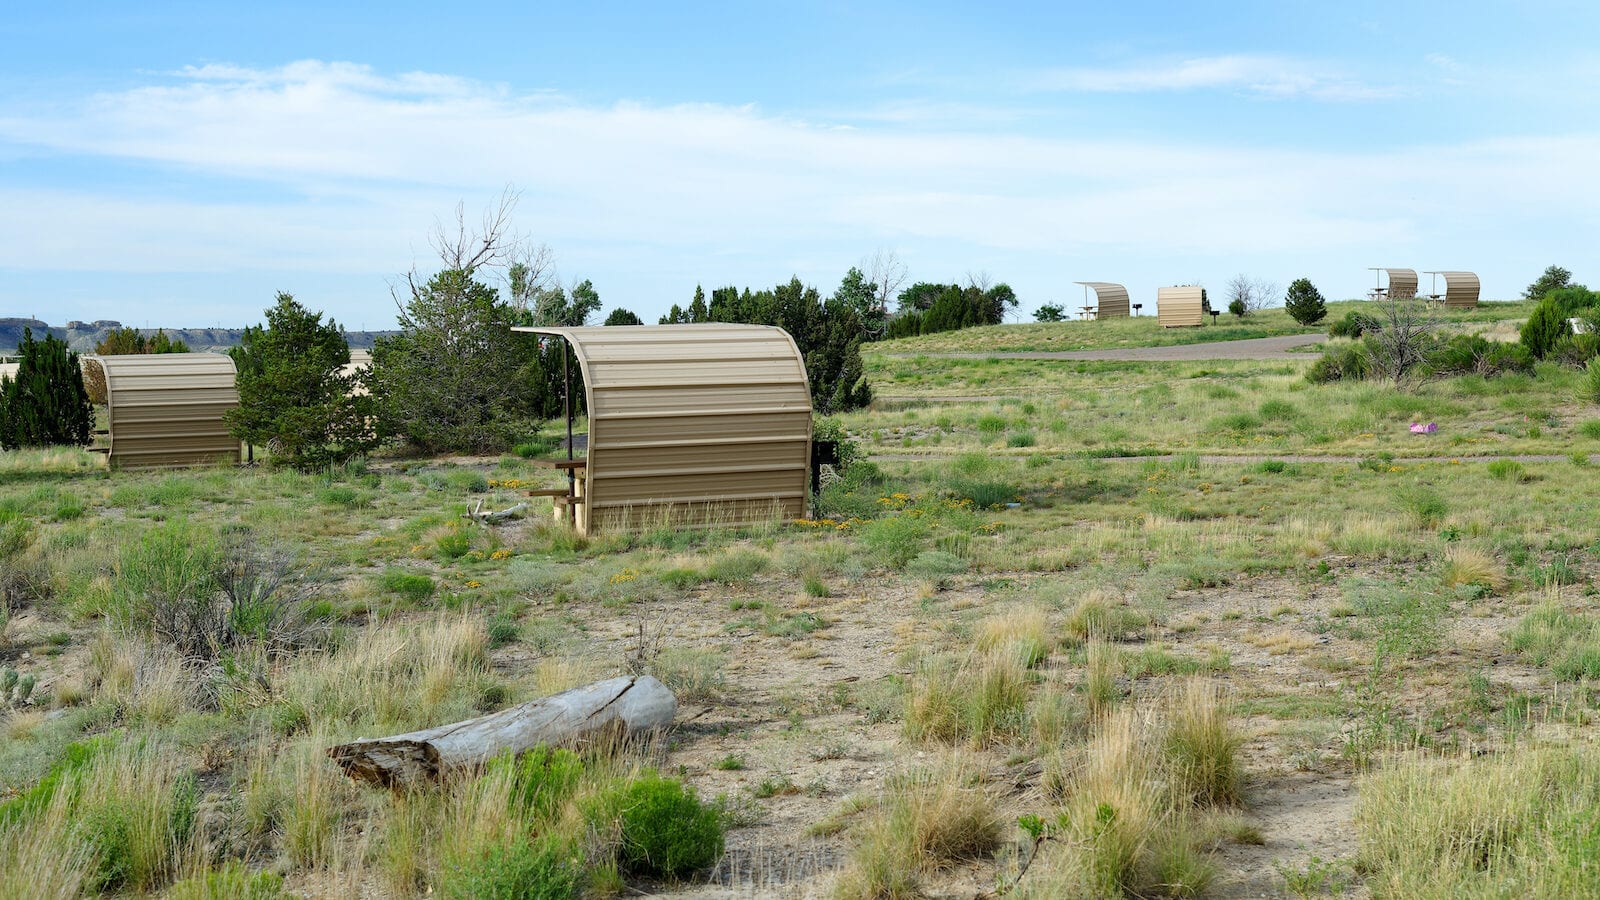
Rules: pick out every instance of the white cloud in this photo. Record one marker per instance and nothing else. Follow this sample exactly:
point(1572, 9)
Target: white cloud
point(1270, 76)
point(355, 165)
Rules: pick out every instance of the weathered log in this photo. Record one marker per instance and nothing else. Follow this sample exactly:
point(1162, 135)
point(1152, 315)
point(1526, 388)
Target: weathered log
point(606, 711)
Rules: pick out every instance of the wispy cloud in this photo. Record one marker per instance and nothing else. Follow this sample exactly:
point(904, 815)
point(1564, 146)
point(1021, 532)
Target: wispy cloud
point(346, 169)
point(1264, 75)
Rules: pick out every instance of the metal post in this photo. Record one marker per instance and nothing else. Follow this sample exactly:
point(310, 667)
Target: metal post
point(566, 405)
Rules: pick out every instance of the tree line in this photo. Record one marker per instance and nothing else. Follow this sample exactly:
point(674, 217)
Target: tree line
point(456, 378)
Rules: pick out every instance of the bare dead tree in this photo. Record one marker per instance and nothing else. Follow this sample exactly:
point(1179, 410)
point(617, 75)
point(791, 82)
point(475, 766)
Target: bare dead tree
point(491, 243)
point(980, 280)
point(887, 273)
point(1408, 330)
point(1252, 294)
point(1263, 293)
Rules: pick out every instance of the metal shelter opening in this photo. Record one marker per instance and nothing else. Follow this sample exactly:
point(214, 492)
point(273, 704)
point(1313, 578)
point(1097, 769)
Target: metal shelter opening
point(1402, 284)
point(1460, 289)
point(1110, 300)
point(689, 426)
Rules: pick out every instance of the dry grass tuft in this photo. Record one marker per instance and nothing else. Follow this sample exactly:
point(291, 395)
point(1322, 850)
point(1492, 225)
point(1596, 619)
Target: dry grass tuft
point(1023, 632)
point(929, 820)
point(1470, 567)
point(1105, 615)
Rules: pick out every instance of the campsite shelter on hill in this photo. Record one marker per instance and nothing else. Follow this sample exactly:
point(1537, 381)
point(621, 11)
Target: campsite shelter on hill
point(1402, 284)
point(689, 425)
point(1460, 289)
point(165, 409)
point(1111, 300)
point(1180, 306)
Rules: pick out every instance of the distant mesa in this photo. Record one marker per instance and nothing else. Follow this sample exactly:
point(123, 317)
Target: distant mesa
point(83, 336)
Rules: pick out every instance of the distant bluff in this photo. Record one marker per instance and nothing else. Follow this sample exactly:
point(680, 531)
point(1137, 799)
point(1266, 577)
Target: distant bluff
point(83, 336)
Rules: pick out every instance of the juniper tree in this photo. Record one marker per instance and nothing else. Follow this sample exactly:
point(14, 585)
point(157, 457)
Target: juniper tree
point(45, 404)
point(293, 396)
point(1304, 302)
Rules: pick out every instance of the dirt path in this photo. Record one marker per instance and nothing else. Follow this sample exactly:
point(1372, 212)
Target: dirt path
point(1281, 347)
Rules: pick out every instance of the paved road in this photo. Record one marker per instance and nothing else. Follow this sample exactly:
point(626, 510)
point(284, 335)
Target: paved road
point(1254, 348)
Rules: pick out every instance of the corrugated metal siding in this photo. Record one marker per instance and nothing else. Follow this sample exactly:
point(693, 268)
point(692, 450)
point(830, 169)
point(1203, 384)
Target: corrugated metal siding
point(166, 409)
point(1402, 283)
point(1460, 289)
point(1180, 306)
point(1111, 300)
point(692, 425)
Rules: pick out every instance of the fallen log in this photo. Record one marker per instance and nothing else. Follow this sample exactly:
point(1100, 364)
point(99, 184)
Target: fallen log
point(606, 711)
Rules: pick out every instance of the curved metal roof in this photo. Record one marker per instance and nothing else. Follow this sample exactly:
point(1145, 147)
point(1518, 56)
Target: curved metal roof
point(691, 424)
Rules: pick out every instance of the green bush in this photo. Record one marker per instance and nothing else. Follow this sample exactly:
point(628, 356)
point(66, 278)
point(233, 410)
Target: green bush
point(1425, 504)
point(1590, 389)
point(935, 564)
point(1576, 350)
point(410, 585)
point(1354, 325)
point(16, 532)
point(1470, 354)
point(1545, 327)
point(523, 868)
point(666, 830)
point(1021, 439)
point(1278, 411)
point(895, 540)
point(1351, 362)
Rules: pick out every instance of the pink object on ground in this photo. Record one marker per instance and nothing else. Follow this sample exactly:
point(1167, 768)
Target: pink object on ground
point(1419, 428)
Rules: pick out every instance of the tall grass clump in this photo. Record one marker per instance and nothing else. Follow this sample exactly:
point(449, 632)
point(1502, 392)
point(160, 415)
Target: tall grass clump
point(1201, 747)
point(927, 820)
point(1516, 825)
point(1132, 824)
point(1567, 642)
point(976, 698)
point(392, 677)
point(125, 812)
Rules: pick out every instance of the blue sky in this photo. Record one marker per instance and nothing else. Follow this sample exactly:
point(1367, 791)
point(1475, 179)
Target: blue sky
point(178, 163)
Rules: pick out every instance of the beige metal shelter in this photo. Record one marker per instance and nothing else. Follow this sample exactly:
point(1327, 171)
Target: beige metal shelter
point(1180, 306)
point(165, 409)
point(1460, 289)
point(1111, 300)
point(689, 425)
point(1402, 283)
